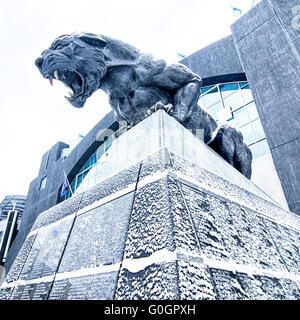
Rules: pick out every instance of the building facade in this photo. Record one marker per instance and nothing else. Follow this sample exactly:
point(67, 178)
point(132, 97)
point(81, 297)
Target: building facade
point(250, 79)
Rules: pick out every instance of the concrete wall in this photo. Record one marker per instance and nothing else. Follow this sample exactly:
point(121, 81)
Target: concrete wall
point(267, 40)
point(216, 62)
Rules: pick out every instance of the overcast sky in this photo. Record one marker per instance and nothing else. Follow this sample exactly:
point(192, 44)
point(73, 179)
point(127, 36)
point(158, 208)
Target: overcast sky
point(34, 115)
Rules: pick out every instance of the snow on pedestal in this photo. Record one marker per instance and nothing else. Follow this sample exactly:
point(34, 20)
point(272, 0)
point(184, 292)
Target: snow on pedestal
point(169, 219)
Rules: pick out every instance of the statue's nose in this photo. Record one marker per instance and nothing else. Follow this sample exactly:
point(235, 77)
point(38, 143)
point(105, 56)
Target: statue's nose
point(39, 62)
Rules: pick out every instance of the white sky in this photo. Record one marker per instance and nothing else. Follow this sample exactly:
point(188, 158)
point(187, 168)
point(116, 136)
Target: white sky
point(34, 115)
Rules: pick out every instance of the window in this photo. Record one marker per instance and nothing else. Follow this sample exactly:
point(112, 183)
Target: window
point(263, 147)
point(258, 129)
point(43, 183)
point(254, 150)
point(233, 100)
point(240, 117)
point(247, 133)
point(215, 109)
point(87, 177)
point(252, 111)
point(237, 98)
point(247, 94)
point(211, 99)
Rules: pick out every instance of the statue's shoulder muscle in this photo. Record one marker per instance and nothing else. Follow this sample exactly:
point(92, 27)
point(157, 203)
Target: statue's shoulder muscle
point(156, 71)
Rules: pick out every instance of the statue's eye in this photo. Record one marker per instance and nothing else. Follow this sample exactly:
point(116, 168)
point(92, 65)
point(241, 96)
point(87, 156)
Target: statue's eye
point(59, 46)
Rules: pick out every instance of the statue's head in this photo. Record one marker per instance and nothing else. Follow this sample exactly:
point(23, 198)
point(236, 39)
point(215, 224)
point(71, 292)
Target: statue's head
point(78, 61)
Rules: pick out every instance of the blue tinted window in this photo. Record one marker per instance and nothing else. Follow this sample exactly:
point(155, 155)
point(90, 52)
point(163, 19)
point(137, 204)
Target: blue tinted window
point(240, 117)
point(252, 111)
point(234, 99)
point(79, 179)
point(213, 111)
point(247, 133)
point(258, 129)
point(247, 95)
point(244, 85)
point(228, 87)
point(208, 88)
point(254, 150)
point(263, 147)
point(86, 165)
point(211, 99)
point(93, 159)
point(85, 173)
point(43, 183)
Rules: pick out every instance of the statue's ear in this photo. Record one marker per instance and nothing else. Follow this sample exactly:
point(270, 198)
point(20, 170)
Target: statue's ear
point(93, 40)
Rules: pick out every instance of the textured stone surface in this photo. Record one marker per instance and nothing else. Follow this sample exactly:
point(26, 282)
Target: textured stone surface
point(229, 232)
point(163, 229)
point(194, 281)
point(34, 291)
point(152, 219)
point(240, 286)
point(93, 287)
point(111, 185)
point(98, 237)
point(46, 252)
point(155, 282)
point(19, 262)
point(56, 213)
point(215, 60)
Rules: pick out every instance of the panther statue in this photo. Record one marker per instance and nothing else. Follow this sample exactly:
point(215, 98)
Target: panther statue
point(138, 84)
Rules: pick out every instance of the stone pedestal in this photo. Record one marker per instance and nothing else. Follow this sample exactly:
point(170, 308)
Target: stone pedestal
point(170, 219)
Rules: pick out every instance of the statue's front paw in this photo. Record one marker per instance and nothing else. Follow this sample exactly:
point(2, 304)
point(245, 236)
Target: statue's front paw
point(159, 105)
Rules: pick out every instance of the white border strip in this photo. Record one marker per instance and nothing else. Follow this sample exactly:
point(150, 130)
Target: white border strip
point(112, 196)
point(153, 178)
point(43, 228)
point(88, 271)
point(160, 257)
point(27, 282)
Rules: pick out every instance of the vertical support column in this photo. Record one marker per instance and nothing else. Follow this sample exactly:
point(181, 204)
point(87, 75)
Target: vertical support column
point(6, 240)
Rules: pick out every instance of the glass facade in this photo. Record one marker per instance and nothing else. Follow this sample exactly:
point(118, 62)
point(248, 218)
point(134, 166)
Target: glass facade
point(237, 100)
point(94, 164)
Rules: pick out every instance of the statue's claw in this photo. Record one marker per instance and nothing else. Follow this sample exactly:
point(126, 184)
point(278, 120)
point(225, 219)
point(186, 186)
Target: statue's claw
point(168, 107)
point(159, 105)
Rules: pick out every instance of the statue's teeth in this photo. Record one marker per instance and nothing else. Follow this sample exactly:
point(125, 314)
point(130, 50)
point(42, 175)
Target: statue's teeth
point(56, 74)
point(70, 95)
point(51, 81)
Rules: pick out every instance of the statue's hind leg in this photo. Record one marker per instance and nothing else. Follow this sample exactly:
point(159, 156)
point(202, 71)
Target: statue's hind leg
point(228, 143)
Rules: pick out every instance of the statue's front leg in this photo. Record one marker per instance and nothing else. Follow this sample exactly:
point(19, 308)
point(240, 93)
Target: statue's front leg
point(185, 100)
point(159, 105)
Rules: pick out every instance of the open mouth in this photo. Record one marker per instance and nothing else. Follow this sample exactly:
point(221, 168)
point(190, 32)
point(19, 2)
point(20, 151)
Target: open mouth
point(70, 79)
